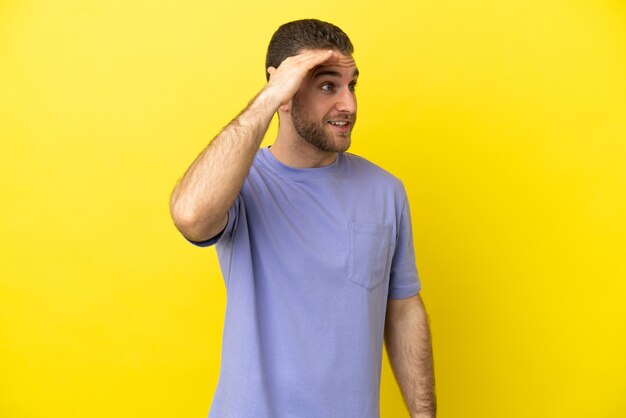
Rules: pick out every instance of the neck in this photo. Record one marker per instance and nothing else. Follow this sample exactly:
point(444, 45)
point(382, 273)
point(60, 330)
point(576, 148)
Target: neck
point(294, 151)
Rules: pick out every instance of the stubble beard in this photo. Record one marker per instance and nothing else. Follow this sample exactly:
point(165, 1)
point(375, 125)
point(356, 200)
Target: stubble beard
point(317, 133)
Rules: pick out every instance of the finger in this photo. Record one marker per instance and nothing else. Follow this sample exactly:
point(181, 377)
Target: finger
point(326, 56)
point(310, 59)
point(317, 56)
point(307, 56)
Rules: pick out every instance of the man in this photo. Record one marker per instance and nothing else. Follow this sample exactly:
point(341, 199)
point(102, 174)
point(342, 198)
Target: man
point(315, 246)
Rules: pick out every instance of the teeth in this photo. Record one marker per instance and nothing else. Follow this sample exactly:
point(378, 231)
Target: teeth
point(338, 123)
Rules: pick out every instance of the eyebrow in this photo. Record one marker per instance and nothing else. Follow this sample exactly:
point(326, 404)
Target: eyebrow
point(334, 73)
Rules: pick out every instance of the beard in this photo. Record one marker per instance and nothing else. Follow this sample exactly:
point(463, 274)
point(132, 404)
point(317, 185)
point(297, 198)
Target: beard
point(318, 133)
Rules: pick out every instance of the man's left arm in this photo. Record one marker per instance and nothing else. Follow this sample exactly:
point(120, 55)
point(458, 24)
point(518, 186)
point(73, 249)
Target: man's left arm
point(409, 348)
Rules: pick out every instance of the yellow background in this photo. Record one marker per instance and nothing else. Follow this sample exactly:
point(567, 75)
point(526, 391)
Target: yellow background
point(506, 121)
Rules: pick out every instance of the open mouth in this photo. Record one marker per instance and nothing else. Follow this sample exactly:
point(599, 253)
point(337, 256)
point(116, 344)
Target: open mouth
point(340, 125)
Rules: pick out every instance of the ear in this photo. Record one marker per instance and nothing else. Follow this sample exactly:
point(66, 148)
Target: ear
point(286, 107)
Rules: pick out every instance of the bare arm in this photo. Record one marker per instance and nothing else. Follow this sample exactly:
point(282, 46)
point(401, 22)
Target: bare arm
point(407, 338)
point(200, 201)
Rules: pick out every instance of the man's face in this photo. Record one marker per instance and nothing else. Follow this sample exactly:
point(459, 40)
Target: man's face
point(323, 111)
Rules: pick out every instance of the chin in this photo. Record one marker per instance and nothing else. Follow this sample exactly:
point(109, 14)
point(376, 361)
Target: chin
point(323, 140)
point(337, 145)
point(345, 146)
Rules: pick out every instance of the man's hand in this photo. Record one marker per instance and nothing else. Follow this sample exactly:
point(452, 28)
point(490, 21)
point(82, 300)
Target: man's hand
point(200, 202)
point(409, 348)
point(286, 79)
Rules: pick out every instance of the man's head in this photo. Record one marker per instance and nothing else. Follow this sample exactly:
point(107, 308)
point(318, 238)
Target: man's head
point(293, 37)
point(323, 111)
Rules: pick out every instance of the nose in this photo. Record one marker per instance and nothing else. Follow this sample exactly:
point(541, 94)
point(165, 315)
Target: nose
point(346, 101)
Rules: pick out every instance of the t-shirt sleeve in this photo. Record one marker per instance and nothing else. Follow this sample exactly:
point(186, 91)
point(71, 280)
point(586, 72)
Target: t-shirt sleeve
point(229, 229)
point(404, 280)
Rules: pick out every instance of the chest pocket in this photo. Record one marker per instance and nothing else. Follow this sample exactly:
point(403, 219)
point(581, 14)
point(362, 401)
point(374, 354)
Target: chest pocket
point(369, 254)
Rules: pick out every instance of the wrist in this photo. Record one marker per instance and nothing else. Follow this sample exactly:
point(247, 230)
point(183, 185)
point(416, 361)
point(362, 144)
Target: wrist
point(423, 415)
point(268, 98)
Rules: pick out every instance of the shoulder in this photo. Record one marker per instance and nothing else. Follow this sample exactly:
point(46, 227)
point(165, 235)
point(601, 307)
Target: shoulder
point(360, 166)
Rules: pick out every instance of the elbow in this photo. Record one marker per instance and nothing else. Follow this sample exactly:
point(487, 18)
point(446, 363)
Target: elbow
point(194, 224)
point(185, 220)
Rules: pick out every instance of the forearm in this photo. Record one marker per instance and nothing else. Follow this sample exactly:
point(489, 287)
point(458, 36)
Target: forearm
point(409, 348)
point(200, 201)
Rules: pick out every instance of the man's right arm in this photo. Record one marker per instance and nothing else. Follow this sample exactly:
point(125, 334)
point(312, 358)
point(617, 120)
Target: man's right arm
point(200, 201)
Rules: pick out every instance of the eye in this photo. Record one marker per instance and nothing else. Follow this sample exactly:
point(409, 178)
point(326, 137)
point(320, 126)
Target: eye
point(327, 86)
point(352, 86)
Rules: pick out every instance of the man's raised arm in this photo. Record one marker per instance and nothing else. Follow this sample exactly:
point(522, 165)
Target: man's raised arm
point(200, 201)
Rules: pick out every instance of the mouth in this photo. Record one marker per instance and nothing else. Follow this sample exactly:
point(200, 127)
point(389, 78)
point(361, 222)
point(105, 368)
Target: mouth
point(341, 126)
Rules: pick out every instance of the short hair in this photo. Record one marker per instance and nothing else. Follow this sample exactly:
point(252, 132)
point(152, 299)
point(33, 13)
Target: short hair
point(290, 38)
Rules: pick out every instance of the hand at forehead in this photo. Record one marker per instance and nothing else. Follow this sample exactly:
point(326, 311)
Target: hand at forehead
point(337, 59)
point(285, 80)
point(340, 61)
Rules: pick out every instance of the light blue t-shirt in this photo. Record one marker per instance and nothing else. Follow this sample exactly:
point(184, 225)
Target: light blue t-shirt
point(309, 259)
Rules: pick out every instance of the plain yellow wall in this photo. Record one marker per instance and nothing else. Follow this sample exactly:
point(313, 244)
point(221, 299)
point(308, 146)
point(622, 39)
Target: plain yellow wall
point(506, 121)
